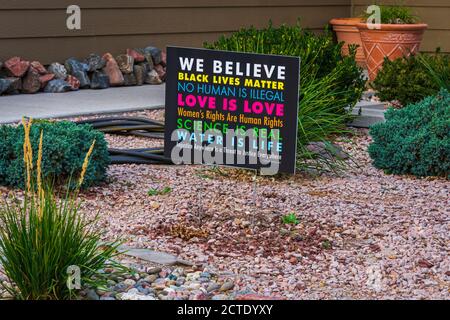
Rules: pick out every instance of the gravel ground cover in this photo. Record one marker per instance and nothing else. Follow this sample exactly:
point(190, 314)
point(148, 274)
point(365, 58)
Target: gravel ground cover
point(361, 235)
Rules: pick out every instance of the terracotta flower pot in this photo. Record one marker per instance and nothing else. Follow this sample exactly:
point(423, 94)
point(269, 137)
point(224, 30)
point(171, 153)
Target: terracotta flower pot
point(392, 41)
point(347, 32)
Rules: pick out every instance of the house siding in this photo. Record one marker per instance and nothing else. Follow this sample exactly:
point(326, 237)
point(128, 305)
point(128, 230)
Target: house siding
point(37, 29)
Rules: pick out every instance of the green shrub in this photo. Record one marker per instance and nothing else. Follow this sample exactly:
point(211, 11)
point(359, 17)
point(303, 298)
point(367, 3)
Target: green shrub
point(395, 15)
point(65, 145)
point(411, 79)
point(414, 140)
point(329, 82)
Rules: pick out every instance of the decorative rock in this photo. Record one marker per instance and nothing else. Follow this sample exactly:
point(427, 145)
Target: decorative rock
point(135, 296)
point(129, 79)
point(199, 296)
point(4, 85)
point(252, 296)
point(151, 278)
point(137, 56)
point(194, 286)
point(213, 287)
point(58, 70)
point(44, 79)
point(139, 74)
point(16, 66)
point(95, 62)
point(193, 276)
point(228, 285)
point(99, 80)
point(16, 84)
point(154, 270)
point(36, 65)
point(148, 58)
point(152, 78)
point(73, 82)
point(125, 63)
point(180, 281)
point(112, 70)
point(143, 290)
point(220, 297)
point(57, 86)
point(91, 294)
point(129, 282)
point(203, 280)
point(120, 287)
point(31, 82)
point(161, 72)
point(155, 53)
point(78, 70)
point(149, 255)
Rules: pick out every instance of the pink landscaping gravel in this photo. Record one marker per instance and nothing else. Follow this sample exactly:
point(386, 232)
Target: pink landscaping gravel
point(361, 235)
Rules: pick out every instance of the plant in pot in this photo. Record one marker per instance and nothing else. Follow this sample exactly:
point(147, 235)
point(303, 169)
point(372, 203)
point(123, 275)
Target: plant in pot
point(347, 32)
point(399, 34)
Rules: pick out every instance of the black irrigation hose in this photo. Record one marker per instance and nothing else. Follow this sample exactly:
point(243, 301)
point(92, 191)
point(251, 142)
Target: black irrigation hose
point(136, 126)
point(109, 120)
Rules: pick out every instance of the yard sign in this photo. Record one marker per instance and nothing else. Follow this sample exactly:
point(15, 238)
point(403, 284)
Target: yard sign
point(229, 108)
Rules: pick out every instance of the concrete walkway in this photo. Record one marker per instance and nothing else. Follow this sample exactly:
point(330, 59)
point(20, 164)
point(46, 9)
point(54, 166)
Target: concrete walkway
point(83, 102)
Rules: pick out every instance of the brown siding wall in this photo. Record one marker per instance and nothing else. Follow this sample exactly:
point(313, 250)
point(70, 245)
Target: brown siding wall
point(436, 13)
point(37, 29)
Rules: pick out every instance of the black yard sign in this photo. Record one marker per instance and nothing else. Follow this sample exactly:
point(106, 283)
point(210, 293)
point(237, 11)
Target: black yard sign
point(234, 109)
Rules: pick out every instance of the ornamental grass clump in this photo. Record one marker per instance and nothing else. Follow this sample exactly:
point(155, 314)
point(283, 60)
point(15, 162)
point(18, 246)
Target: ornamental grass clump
point(43, 236)
point(414, 140)
point(330, 84)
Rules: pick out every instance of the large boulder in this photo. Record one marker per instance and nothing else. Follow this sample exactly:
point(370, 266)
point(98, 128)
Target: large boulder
point(129, 79)
point(58, 70)
point(155, 53)
point(137, 56)
point(4, 85)
point(99, 80)
point(36, 65)
point(148, 58)
point(45, 78)
point(95, 62)
point(10, 85)
point(152, 78)
point(57, 86)
point(125, 63)
point(161, 71)
point(16, 66)
point(74, 82)
point(79, 71)
point(112, 70)
point(31, 83)
point(139, 72)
